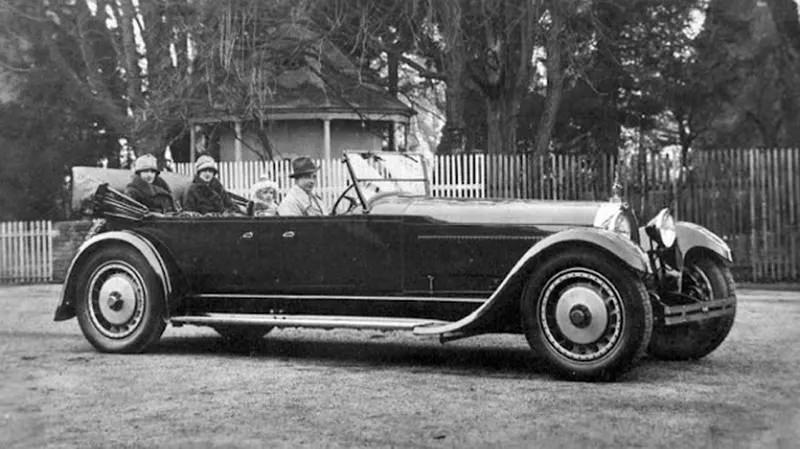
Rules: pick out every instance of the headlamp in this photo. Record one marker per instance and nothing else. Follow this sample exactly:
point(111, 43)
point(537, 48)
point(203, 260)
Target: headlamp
point(661, 228)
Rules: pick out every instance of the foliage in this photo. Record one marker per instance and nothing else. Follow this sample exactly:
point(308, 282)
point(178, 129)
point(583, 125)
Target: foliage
point(48, 128)
point(574, 76)
point(43, 135)
point(749, 55)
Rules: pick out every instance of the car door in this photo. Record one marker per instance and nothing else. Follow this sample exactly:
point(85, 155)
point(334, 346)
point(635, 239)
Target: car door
point(214, 253)
point(333, 255)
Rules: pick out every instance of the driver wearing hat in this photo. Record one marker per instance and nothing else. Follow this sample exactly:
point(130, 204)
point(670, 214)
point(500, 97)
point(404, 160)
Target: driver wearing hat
point(301, 199)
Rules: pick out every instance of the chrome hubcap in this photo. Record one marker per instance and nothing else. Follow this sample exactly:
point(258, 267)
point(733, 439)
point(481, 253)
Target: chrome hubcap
point(581, 314)
point(116, 299)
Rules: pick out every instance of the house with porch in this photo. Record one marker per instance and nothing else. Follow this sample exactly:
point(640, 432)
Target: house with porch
point(318, 109)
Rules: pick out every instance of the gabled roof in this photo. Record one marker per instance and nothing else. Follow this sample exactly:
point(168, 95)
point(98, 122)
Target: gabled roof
point(325, 84)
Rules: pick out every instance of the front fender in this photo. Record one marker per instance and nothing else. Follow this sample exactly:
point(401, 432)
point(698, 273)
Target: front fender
point(692, 236)
point(66, 308)
point(508, 291)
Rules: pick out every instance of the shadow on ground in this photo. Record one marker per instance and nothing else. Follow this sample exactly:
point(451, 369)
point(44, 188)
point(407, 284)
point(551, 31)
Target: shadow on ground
point(371, 354)
point(368, 353)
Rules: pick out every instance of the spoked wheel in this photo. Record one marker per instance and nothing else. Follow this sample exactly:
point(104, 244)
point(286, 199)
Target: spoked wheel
point(242, 335)
point(704, 278)
point(586, 315)
point(120, 304)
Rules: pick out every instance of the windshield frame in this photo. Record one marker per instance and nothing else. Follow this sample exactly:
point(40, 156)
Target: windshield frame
point(356, 181)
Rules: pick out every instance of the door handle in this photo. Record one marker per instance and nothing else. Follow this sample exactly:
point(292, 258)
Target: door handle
point(247, 235)
point(288, 235)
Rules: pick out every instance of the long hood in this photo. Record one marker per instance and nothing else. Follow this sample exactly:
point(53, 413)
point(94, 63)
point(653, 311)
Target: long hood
point(479, 211)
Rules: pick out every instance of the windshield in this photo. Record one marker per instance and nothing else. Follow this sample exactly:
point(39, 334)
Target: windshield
point(377, 173)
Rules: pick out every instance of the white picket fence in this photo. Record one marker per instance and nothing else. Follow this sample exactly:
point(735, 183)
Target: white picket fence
point(455, 176)
point(475, 175)
point(26, 251)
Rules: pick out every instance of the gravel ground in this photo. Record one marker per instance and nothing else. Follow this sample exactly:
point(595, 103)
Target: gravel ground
point(307, 388)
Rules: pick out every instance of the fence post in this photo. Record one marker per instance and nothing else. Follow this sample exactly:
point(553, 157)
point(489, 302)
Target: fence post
point(3, 252)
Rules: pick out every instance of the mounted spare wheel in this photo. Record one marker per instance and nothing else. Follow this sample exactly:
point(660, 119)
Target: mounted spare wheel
point(119, 300)
point(586, 315)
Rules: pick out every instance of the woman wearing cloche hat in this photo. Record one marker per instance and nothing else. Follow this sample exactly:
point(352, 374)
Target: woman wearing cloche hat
point(147, 187)
point(206, 194)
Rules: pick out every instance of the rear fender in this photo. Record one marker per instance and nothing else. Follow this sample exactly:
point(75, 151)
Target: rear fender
point(66, 308)
point(505, 297)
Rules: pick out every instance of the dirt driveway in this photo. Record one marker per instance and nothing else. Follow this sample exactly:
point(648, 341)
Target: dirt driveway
point(302, 388)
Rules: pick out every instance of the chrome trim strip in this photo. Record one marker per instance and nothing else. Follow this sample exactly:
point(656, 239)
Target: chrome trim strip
point(311, 321)
point(336, 297)
point(480, 237)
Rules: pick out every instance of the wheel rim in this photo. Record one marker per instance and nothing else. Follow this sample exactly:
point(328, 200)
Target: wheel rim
point(696, 284)
point(581, 314)
point(116, 299)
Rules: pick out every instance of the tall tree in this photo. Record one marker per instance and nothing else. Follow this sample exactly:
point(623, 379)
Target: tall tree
point(747, 55)
point(499, 46)
point(45, 130)
point(101, 50)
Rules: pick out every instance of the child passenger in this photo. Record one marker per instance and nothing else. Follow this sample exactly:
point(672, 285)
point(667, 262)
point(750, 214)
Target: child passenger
point(265, 193)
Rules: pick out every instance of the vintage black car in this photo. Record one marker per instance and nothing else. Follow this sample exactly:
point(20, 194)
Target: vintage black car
point(590, 290)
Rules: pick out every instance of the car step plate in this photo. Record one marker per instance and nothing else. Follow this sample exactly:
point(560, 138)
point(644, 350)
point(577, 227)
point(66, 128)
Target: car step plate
point(310, 321)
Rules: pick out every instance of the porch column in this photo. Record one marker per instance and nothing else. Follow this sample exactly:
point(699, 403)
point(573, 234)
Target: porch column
point(192, 143)
point(391, 128)
point(237, 141)
point(326, 138)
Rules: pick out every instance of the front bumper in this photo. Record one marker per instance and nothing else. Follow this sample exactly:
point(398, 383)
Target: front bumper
point(686, 313)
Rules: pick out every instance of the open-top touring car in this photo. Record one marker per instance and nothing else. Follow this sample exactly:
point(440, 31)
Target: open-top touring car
point(590, 290)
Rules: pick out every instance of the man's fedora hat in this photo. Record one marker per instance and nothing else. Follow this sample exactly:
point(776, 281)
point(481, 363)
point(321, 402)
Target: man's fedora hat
point(303, 166)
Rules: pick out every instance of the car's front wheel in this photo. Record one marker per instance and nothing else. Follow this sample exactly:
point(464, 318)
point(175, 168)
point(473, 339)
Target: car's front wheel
point(120, 301)
point(587, 315)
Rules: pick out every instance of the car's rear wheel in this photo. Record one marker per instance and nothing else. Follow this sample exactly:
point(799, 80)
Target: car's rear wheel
point(704, 278)
point(242, 335)
point(120, 301)
point(587, 315)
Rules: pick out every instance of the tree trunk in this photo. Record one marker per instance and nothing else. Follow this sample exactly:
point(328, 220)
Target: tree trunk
point(494, 125)
point(453, 138)
point(393, 59)
point(555, 81)
point(501, 124)
point(131, 57)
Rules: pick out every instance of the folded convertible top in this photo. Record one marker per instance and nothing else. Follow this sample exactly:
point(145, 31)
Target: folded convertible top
point(86, 180)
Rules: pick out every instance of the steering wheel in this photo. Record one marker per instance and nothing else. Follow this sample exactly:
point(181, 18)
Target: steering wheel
point(353, 203)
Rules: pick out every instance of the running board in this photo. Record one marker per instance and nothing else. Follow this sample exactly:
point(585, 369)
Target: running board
point(309, 321)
